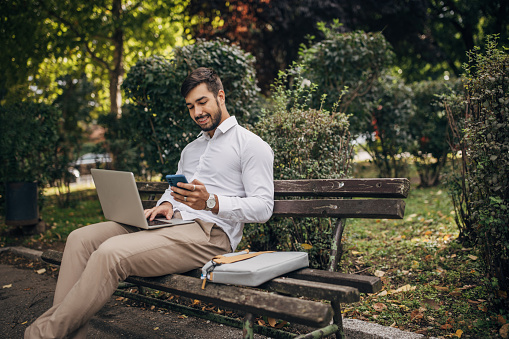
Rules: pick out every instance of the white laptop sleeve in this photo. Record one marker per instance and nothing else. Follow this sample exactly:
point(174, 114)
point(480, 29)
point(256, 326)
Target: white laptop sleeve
point(256, 270)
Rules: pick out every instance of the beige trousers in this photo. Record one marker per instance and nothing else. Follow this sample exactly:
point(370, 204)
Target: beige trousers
point(97, 257)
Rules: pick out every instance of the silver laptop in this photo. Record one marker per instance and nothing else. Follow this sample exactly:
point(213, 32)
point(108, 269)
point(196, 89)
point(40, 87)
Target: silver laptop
point(120, 200)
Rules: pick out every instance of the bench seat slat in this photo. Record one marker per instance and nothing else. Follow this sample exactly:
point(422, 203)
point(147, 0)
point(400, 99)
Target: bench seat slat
point(302, 311)
point(364, 283)
point(336, 208)
point(371, 187)
point(341, 208)
point(312, 289)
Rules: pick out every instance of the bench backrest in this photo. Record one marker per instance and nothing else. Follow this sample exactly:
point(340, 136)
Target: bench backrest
point(365, 198)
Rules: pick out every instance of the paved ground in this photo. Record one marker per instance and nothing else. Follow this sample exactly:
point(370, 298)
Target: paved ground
point(25, 295)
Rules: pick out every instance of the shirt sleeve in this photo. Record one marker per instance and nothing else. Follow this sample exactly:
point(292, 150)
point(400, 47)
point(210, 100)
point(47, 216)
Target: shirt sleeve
point(167, 197)
point(258, 180)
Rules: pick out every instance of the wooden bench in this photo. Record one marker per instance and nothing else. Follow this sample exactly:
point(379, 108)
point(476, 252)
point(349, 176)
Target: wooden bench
point(296, 297)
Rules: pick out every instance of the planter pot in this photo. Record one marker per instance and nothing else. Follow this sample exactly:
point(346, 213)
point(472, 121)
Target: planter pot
point(21, 203)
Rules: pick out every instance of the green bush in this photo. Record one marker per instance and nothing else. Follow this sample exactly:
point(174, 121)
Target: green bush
point(308, 143)
point(29, 134)
point(159, 125)
point(390, 108)
point(486, 157)
point(429, 128)
point(353, 60)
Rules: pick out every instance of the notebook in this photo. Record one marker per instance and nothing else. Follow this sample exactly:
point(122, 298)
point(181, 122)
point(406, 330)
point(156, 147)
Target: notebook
point(120, 200)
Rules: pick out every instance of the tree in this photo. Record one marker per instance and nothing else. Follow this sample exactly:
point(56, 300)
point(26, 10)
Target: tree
point(97, 36)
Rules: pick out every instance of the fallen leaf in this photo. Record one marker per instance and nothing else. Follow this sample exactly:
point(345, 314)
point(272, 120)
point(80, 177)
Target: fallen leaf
point(41, 271)
point(281, 324)
point(406, 288)
point(482, 308)
point(7, 286)
point(383, 293)
point(501, 320)
point(446, 327)
point(442, 288)
point(416, 315)
point(432, 304)
point(156, 328)
point(355, 252)
point(473, 257)
point(504, 331)
point(261, 322)
point(379, 273)
point(182, 316)
point(379, 307)
point(455, 293)
point(272, 321)
point(306, 246)
point(458, 333)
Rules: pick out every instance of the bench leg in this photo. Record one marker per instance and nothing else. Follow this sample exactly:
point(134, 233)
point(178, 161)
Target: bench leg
point(247, 332)
point(337, 247)
point(338, 319)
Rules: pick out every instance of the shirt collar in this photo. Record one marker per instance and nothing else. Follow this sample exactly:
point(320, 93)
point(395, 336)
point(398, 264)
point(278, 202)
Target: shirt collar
point(223, 127)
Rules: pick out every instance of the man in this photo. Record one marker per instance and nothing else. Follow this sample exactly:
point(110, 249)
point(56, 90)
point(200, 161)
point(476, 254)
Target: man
point(231, 182)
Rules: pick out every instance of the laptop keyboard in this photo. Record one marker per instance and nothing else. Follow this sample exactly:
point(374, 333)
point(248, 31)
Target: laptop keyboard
point(156, 222)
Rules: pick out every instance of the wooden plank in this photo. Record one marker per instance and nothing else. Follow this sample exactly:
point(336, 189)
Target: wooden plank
point(365, 187)
point(364, 283)
point(336, 208)
point(152, 187)
point(312, 289)
point(302, 311)
point(341, 208)
point(305, 288)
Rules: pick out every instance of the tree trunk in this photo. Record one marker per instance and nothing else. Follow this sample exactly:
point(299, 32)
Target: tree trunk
point(117, 72)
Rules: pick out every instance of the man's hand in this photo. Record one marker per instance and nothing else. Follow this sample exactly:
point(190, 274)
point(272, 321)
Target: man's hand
point(193, 194)
point(165, 209)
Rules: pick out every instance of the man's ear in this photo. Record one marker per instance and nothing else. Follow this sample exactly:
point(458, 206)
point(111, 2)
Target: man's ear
point(221, 96)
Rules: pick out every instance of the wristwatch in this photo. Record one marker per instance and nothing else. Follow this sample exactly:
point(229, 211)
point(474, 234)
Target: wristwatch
point(211, 203)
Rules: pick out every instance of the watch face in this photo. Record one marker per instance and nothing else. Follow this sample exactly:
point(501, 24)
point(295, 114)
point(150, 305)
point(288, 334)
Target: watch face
point(211, 202)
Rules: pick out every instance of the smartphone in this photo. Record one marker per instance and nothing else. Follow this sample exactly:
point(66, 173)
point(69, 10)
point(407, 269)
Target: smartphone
point(173, 179)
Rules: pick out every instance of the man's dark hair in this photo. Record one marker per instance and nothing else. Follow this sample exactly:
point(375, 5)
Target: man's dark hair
point(200, 76)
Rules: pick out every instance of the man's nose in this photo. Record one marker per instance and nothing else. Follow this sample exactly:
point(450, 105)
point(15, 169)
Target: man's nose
point(198, 111)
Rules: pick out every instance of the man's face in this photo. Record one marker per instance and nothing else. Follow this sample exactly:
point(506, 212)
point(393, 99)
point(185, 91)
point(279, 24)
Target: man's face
point(204, 108)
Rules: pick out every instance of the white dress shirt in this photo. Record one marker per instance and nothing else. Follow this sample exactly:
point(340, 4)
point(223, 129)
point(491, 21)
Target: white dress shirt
point(237, 166)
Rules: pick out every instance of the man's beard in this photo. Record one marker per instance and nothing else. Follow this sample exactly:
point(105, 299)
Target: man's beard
point(215, 119)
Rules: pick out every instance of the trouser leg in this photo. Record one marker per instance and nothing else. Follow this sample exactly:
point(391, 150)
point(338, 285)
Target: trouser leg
point(147, 253)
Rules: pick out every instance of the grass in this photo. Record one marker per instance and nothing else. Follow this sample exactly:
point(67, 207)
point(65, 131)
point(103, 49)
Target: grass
point(432, 284)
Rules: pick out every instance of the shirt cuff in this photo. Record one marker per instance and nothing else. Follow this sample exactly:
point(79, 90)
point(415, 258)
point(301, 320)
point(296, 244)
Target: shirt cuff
point(225, 207)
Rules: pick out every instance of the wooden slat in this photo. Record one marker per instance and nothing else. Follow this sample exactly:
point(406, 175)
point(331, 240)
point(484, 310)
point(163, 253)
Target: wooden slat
point(341, 208)
point(368, 187)
point(309, 289)
point(302, 311)
point(312, 289)
point(152, 187)
point(335, 208)
point(364, 283)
